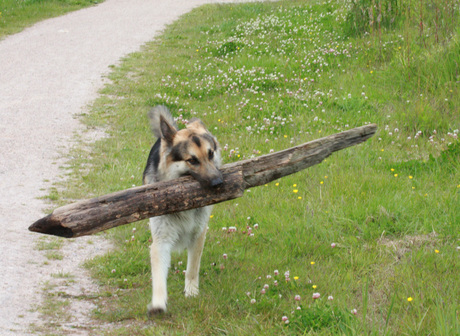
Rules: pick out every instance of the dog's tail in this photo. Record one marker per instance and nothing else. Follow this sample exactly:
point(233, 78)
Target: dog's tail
point(154, 117)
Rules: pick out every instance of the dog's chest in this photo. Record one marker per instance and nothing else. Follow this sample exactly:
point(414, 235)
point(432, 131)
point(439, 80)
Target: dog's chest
point(180, 229)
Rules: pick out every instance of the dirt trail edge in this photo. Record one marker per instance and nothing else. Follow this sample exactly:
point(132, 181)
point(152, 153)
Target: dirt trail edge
point(50, 72)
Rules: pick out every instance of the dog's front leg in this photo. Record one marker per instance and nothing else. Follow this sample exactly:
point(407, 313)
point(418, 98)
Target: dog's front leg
point(160, 257)
point(193, 265)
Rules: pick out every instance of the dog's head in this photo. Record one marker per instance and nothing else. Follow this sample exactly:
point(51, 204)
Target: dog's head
point(193, 150)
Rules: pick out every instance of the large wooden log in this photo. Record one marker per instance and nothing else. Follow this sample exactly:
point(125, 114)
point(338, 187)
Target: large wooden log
point(127, 206)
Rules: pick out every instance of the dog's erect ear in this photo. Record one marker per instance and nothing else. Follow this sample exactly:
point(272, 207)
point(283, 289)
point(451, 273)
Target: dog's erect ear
point(155, 122)
point(168, 132)
point(197, 125)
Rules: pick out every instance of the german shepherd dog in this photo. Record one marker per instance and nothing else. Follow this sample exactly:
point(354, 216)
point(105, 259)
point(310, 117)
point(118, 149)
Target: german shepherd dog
point(190, 151)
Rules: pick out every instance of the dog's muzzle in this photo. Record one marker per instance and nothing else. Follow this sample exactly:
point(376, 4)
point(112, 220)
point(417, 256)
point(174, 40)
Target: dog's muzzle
point(216, 182)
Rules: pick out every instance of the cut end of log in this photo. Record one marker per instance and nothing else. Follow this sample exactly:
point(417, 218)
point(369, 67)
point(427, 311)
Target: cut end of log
point(49, 226)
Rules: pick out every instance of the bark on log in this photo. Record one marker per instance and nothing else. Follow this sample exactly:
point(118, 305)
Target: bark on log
point(91, 216)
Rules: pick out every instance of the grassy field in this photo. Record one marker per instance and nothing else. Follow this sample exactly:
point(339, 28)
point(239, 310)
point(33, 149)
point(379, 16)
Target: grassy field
point(15, 15)
point(366, 242)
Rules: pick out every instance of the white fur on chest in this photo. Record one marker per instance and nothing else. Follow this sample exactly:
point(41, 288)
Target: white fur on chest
point(182, 228)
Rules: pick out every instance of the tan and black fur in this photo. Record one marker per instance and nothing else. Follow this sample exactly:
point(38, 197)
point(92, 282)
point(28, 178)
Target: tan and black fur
point(190, 151)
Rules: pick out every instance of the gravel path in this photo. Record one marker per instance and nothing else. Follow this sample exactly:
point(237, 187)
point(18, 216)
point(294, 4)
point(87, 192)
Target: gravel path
point(49, 73)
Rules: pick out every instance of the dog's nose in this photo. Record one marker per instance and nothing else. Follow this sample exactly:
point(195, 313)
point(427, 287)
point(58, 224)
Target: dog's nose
point(216, 182)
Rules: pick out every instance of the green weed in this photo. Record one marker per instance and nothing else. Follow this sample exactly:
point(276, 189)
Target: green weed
point(47, 243)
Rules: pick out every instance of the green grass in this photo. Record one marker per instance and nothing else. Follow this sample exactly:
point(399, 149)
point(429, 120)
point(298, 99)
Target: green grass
point(15, 15)
point(46, 243)
point(266, 77)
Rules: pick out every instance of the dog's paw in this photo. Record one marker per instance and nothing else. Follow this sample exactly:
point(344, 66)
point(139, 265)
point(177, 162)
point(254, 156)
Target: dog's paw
point(191, 289)
point(155, 310)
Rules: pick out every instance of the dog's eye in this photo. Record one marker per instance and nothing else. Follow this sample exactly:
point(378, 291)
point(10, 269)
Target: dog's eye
point(210, 154)
point(193, 161)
